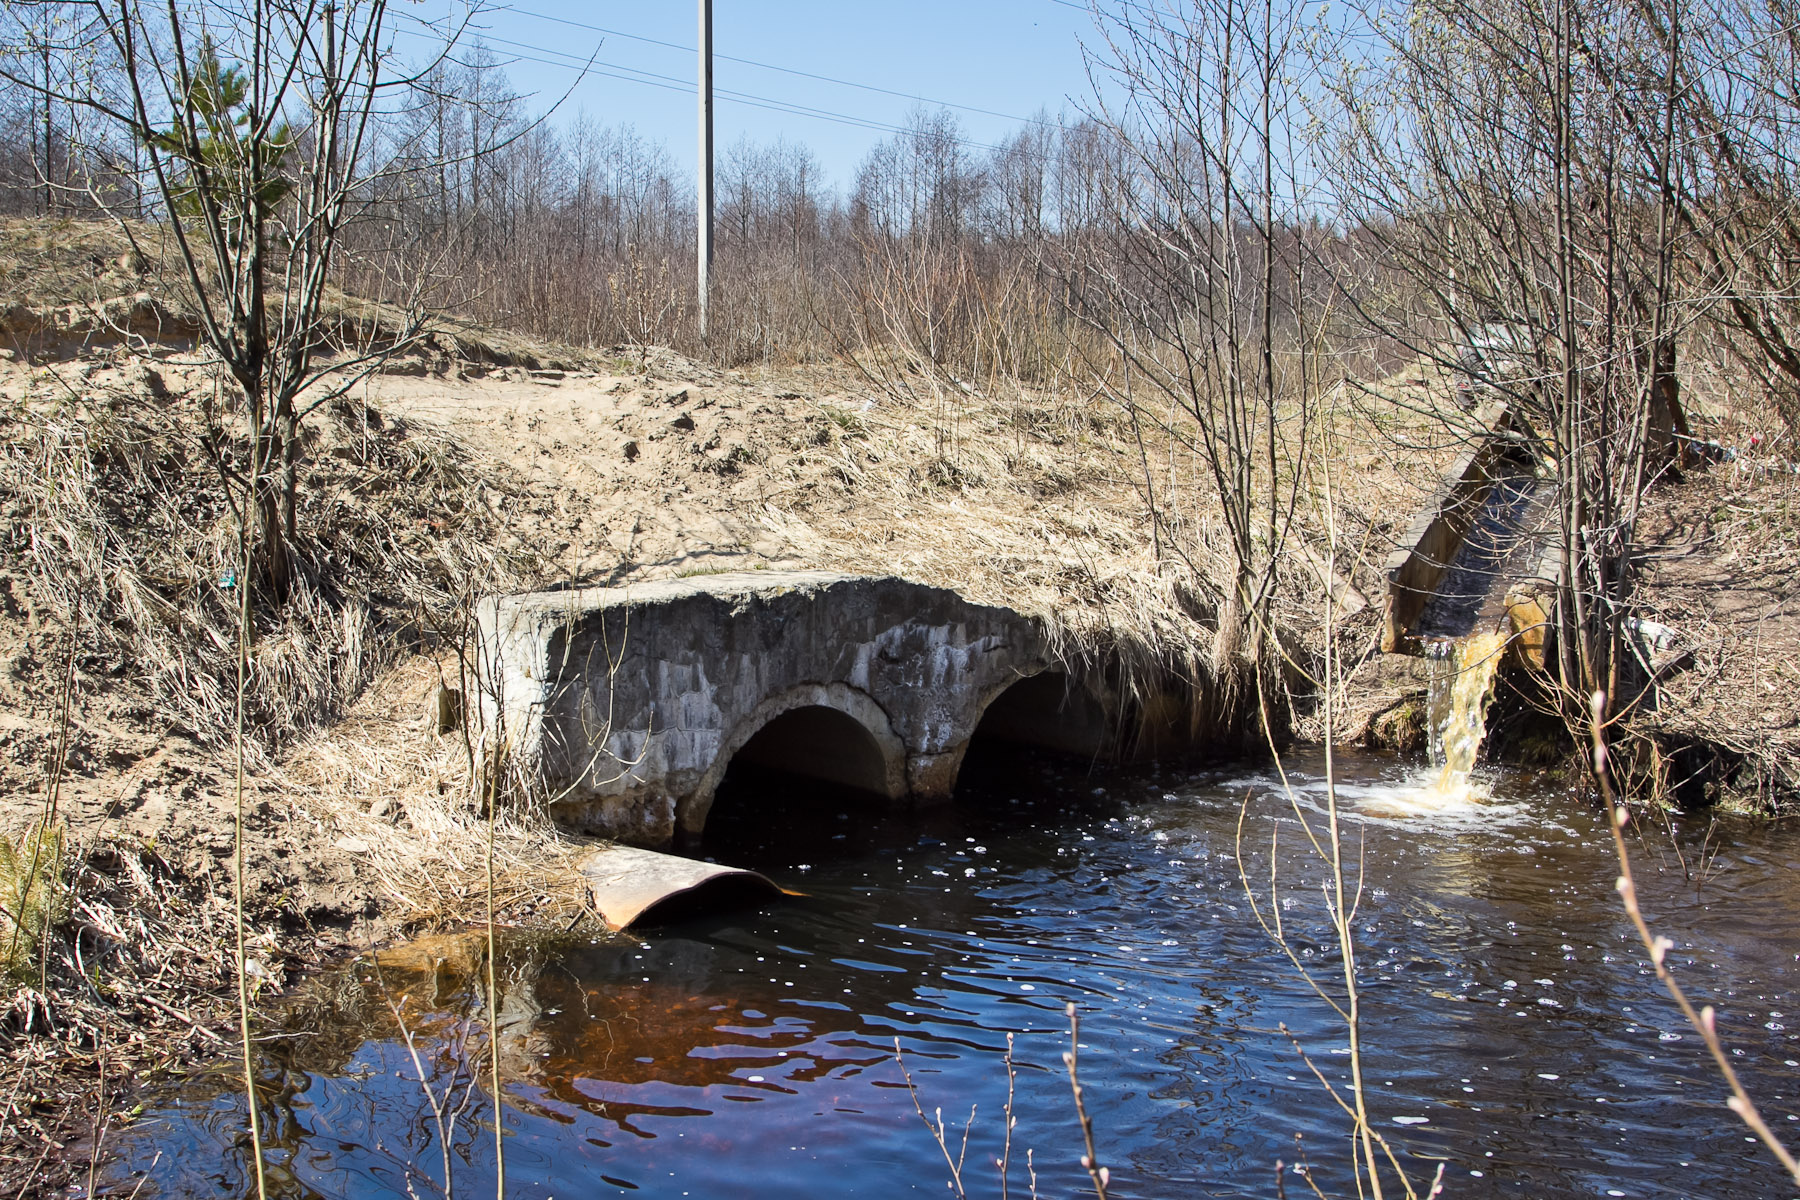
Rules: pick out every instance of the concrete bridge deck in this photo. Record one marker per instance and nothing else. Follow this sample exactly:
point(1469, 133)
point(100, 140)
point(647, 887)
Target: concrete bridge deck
point(625, 707)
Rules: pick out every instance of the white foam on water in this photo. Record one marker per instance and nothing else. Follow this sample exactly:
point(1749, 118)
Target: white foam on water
point(1421, 796)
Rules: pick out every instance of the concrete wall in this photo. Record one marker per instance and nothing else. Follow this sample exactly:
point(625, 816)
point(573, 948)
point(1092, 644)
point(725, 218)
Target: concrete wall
point(624, 706)
point(1416, 568)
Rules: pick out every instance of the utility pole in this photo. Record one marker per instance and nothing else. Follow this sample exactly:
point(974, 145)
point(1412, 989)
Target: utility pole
point(704, 170)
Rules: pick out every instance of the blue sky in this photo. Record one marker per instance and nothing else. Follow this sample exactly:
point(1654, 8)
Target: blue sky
point(1010, 57)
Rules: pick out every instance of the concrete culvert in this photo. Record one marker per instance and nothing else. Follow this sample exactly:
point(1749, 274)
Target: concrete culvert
point(808, 763)
point(1048, 711)
point(819, 743)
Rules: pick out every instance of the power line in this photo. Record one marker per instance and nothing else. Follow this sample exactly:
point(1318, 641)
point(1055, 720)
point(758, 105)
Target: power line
point(751, 62)
point(788, 106)
point(1147, 9)
point(672, 83)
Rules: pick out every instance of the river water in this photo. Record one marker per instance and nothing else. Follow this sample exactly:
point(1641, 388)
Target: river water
point(1513, 1031)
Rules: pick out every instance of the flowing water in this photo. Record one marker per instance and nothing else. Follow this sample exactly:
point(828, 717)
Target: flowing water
point(1462, 682)
point(1513, 1031)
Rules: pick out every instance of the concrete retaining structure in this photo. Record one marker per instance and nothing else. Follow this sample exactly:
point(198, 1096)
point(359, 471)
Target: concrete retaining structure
point(625, 706)
point(1417, 567)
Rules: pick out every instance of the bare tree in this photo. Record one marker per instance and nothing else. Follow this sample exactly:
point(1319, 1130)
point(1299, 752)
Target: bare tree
point(256, 126)
point(1735, 84)
point(1188, 268)
point(1514, 176)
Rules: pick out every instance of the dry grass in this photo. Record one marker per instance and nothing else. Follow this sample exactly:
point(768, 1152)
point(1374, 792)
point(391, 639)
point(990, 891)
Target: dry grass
point(50, 264)
point(1020, 503)
point(140, 991)
point(1037, 500)
point(117, 502)
point(1723, 572)
point(33, 896)
point(398, 795)
point(72, 286)
point(124, 546)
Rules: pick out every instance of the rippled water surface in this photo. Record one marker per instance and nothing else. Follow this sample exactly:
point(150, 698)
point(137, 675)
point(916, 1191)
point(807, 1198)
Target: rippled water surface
point(1513, 1031)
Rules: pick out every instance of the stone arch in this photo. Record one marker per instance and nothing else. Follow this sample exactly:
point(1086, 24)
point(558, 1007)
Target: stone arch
point(1047, 708)
point(877, 766)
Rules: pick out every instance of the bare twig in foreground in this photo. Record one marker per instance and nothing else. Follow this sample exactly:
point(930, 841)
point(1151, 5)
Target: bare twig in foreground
point(1099, 1174)
point(1703, 1020)
point(938, 1132)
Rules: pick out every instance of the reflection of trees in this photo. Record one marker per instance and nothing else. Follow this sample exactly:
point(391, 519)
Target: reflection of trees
point(317, 1089)
point(610, 1040)
point(584, 1035)
point(662, 1048)
point(434, 982)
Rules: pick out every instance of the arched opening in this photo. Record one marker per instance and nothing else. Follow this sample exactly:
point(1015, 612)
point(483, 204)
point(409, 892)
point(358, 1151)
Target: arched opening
point(1048, 713)
point(819, 743)
point(790, 787)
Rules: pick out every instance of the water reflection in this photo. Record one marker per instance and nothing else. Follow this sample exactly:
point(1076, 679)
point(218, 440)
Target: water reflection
point(1513, 1031)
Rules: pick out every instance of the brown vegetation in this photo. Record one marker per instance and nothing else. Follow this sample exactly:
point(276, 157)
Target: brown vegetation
point(1722, 572)
point(428, 485)
point(1170, 376)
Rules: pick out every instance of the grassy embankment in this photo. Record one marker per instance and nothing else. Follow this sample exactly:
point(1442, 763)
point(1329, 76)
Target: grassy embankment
point(477, 464)
point(480, 463)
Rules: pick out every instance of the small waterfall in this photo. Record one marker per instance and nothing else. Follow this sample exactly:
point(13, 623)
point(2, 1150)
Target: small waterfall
point(1462, 680)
